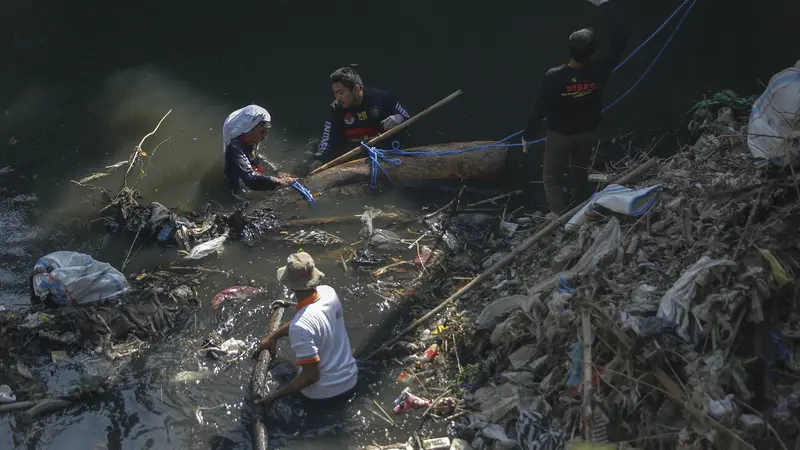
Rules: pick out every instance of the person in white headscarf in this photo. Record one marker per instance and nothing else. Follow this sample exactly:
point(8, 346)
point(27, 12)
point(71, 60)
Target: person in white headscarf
point(243, 130)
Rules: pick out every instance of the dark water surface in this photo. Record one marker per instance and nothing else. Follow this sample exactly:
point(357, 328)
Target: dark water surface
point(81, 84)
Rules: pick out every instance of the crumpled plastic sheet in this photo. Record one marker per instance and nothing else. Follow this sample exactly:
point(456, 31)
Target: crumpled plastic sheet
point(534, 432)
point(521, 378)
point(72, 278)
point(385, 239)
point(602, 252)
point(676, 304)
point(498, 433)
point(569, 252)
point(522, 356)
point(497, 402)
point(721, 409)
point(495, 312)
point(501, 331)
point(206, 248)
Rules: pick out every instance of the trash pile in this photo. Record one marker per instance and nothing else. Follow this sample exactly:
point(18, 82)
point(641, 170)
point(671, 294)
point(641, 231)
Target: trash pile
point(668, 323)
point(199, 234)
point(151, 304)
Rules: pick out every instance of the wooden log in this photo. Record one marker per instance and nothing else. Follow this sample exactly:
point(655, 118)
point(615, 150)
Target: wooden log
point(18, 406)
point(480, 165)
point(258, 387)
point(586, 338)
point(44, 407)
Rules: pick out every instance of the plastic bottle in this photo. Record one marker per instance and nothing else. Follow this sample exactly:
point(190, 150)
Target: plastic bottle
point(429, 354)
point(404, 377)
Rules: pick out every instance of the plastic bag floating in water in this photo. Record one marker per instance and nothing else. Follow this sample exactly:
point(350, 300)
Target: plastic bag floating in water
point(207, 248)
point(72, 278)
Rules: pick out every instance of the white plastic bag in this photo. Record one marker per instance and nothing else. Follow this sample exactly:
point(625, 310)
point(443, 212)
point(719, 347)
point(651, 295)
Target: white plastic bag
point(76, 279)
point(620, 199)
point(676, 304)
point(207, 248)
point(774, 128)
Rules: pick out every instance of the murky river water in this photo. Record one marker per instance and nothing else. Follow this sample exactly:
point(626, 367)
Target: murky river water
point(86, 83)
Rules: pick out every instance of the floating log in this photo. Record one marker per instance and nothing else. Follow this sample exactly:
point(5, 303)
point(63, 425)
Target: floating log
point(479, 165)
point(258, 387)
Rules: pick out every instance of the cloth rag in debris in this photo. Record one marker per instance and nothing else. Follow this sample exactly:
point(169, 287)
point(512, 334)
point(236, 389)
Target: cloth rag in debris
point(534, 432)
point(676, 304)
point(619, 199)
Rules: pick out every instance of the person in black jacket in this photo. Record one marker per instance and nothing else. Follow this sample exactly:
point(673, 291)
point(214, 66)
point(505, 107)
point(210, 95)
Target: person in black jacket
point(358, 114)
point(571, 98)
point(243, 130)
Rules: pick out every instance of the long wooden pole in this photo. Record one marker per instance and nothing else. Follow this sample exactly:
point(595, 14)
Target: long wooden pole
point(352, 153)
point(552, 226)
point(258, 387)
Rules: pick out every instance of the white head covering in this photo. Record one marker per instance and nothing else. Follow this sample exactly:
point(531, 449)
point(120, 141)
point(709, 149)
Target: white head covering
point(242, 121)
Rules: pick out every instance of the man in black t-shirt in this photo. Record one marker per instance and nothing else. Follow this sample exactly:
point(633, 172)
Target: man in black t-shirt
point(358, 114)
point(571, 98)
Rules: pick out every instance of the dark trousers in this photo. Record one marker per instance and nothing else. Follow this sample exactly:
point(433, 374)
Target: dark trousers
point(570, 155)
point(297, 413)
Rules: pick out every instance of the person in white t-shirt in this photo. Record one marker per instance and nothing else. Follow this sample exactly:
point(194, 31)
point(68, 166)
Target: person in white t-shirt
point(317, 335)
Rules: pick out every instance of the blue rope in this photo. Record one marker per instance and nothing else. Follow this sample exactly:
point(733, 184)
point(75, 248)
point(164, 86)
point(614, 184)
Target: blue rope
point(658, 55)
point(304, 192)
point(375, 154)
point(658, 30)
point(691, 4)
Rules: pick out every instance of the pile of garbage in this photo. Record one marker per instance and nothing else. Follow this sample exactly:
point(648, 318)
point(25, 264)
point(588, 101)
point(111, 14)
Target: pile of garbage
point(683, 300)
point(83, 304)
point(199, 234)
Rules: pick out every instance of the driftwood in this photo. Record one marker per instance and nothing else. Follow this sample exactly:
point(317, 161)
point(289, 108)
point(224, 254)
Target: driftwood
point(635, 173)
point(480, 165)
point(258, 386)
